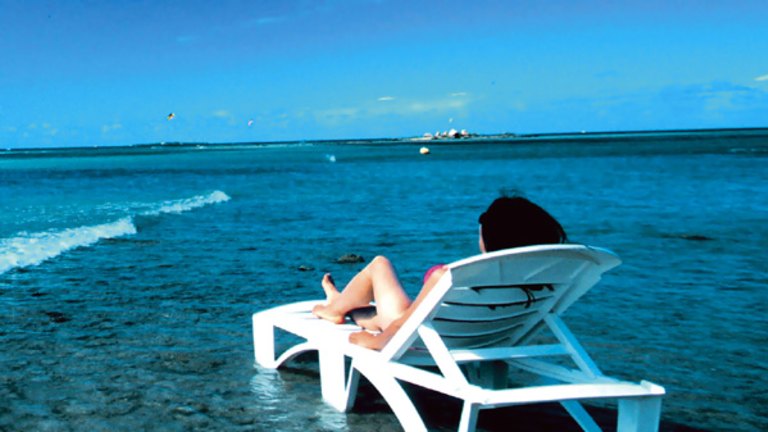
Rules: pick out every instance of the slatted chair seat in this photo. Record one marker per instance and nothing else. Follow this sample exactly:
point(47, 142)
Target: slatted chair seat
point(479, 320)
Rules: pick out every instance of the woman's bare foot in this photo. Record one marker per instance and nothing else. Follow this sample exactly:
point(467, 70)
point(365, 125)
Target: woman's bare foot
point(331, 292)
point(329, 286)
point(325, 312)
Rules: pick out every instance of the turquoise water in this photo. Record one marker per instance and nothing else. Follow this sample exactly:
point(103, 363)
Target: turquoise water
point(128, 275)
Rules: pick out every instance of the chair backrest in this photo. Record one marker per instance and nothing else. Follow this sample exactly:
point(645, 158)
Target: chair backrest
point(502, 297)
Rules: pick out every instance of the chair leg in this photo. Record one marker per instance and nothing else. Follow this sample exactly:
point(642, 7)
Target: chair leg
point(263, 341)
point(353, 382)
point(639, 414)
point(332, 378)
point(469, 413)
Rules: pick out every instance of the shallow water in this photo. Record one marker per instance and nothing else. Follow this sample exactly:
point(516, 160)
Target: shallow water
point(128, 276)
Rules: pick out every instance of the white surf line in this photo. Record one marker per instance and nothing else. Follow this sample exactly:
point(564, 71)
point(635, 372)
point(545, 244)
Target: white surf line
point(186, 204)
point(31, 249)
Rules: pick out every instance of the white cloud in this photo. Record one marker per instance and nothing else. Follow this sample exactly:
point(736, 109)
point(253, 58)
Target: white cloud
point(435, 105)
point(185, 39)
point(260, 21)
point(446, 105)
point(334, 116)
point(110, 127)
point(762, 78)
point(520, 106)
point(267, 20)
point(458, 94)
point(221, 114)
point(45, 129)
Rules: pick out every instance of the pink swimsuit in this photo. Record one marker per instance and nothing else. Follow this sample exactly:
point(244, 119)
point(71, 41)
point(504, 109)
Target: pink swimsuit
point(432, 270)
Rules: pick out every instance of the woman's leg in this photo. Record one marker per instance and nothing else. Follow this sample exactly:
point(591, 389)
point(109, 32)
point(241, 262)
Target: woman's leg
point(376, 282)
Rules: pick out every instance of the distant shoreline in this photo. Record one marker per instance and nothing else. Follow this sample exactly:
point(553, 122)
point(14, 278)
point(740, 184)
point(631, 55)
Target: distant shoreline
point(637, 134)
point(646, 132)
point(415, 140)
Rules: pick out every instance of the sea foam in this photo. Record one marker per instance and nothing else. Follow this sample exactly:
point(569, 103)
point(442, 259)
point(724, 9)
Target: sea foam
point(31, 249)
point(186, 204)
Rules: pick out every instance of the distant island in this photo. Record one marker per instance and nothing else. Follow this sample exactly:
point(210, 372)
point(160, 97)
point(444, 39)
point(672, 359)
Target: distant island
point(449, 137)
point(453, 134)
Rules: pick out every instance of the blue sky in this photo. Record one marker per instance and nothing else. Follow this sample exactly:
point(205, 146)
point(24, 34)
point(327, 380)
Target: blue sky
point(85, 73)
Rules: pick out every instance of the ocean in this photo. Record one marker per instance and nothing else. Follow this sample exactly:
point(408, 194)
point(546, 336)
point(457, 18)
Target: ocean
point(128, 274)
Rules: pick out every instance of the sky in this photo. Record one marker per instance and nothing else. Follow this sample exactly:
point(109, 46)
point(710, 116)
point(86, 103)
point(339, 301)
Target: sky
point(98, 73)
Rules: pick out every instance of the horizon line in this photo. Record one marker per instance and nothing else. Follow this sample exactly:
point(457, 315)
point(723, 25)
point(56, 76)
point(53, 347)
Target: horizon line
point(409, 139)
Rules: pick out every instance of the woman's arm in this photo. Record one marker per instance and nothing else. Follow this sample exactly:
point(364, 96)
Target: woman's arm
point(378, 341)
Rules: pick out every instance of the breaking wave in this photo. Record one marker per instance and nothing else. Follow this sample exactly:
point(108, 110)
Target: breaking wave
point(186, 204)
point(31, 249)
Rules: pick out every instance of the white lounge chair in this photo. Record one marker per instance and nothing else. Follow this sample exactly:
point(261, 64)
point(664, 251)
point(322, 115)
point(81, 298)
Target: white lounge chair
point(485, 315)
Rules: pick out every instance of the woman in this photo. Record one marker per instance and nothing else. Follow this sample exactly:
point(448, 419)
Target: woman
point(508, 222)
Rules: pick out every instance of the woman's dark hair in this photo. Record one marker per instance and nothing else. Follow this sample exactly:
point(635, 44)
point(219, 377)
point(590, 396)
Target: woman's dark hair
point(515, 221)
